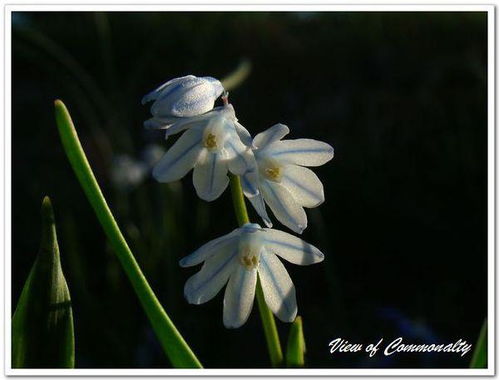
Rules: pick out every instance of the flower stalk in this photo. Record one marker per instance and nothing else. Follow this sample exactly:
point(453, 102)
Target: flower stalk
point(268, 321)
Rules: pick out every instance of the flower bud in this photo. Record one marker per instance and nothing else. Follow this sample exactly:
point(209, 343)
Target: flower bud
point(184, 97)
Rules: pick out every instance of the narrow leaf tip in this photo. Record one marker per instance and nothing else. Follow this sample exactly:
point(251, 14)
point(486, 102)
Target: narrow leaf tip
point(47, 211)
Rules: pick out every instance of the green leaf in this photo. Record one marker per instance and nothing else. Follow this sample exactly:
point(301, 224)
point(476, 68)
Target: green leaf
point(295, 352)
point(479, 358)
point(174, 345)
point(42, 325)
point(238, 76)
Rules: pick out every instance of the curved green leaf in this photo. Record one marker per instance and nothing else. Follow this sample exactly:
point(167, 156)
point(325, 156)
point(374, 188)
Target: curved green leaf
point(174, 345)
point(42, 325)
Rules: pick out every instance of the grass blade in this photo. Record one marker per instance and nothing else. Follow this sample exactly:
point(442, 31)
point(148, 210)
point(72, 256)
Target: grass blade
point(175, 347)
point(295, 352)
point(42, 325)
point(479, 358)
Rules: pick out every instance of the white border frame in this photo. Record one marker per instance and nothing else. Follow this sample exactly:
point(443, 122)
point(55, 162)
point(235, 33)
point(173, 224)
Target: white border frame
point(258, 5)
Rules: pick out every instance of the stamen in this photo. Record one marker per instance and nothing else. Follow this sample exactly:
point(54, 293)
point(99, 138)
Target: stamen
point(210, 142)
point(249, 261)
point(273, 173)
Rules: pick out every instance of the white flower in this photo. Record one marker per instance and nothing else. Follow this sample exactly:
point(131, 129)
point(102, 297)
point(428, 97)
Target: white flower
point(236, 259)
point(127, 172)
point(182, 97)
point(282, 179)
point(151, 154)
point(212, 146)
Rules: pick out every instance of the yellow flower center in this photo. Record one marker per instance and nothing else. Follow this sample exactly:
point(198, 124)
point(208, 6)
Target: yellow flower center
point(210, 141)
point(273, 174)
point(249, 260)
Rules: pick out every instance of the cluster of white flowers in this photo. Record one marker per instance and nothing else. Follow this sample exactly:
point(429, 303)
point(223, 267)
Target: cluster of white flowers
point(273, 172)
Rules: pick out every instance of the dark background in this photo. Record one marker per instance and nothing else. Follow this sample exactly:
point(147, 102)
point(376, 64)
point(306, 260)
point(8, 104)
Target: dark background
point(401, 97)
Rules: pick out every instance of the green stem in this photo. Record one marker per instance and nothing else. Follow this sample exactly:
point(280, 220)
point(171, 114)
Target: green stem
point(268, 321)
point(270, 328)
point(175, 347)
point(238, 200)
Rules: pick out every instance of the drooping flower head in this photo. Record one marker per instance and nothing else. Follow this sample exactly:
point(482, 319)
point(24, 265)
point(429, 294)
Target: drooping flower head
point(282, 179)
point(182, 97)
point(212, 145)
point(236, 259)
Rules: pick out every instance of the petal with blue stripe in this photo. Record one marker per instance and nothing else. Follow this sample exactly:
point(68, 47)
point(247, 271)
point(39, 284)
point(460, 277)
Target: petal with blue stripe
point(188, 97)
point(304, 152)
point(284, 206)
point(210, 248)
point(153, 95)
point(304, 185)
point(278, 288)
point(249, 182)
point(181, 124)
point(180, 158)
point(210, 175)
point(174, 93)
point(240, 158)
point(214, 274)
point(274, 133)
point(259, 206)
point(291, 248)
point(243, 134)
point(239, 296)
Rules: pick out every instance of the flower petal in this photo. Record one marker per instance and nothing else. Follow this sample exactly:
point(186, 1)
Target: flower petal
point(158, 123)
point(291, 248)
point(259, 206)
point(305, 152)
point(181, 124)
point(205, 284)
point(304, 185)
point(175, 125)
point(174, 93)
point(243, 134)
point(274, 133)
point(239, 296)
point(249, 182)
point(210, 176)
point(153, 95)
point(283, 205)
point(278, 289)
point(210, 248)
point(180, 158)
point(240, 157)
